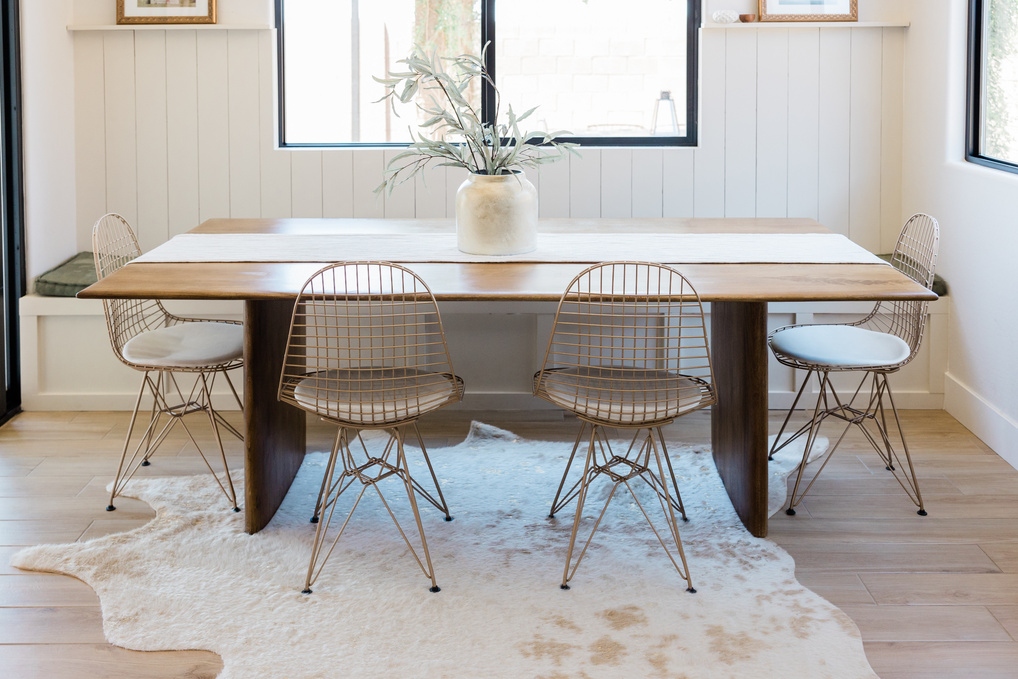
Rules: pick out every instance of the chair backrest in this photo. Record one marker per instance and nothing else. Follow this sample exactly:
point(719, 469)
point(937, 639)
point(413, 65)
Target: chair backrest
point(643, 320)
point(915, 255)
point(114, 245)
point(367, 330)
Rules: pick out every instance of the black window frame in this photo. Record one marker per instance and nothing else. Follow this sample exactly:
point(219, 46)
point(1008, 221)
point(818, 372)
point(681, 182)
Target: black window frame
point(974, 92)
point(488, 30)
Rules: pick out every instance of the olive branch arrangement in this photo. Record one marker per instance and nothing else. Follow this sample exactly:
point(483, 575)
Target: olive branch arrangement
point(458, 135)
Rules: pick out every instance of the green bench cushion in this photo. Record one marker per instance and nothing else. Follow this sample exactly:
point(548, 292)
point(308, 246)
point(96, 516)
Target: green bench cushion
point(69, 278)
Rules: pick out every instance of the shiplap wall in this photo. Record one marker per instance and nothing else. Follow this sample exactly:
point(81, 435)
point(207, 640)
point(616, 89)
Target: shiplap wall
point(174, 127)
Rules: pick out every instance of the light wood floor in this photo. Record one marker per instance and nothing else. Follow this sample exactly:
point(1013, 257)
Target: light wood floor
point(934, 596)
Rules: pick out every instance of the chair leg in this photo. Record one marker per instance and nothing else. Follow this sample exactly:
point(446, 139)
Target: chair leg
point(908, 481)
point(581, 497)
point(557, 506)
point(439, 504)
point(788, 416)
point(214, 418)
point(127, 444)
point(814, 429)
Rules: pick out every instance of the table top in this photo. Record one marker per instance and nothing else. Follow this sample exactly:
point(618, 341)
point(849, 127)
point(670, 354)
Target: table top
point(516, 281)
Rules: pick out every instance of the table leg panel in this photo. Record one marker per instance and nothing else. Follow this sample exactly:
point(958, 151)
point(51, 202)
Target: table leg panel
point(275, 431)
point(739, 418)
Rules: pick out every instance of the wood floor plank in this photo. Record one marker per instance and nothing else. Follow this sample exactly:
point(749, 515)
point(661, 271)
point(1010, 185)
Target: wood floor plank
point(956, 506)
point(35, 532)
point(101, 527)
point(82, 661)
point(1007, 616)
point(33, 590)
point(1004, 554)
point(943, 660)
point(66, 624)
point(34, 487)
point(838, 588)
point(927, 623)
point(937, 588)
point(862, 557)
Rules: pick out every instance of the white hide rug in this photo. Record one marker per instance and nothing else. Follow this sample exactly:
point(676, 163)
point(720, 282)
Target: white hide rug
point(193, 579)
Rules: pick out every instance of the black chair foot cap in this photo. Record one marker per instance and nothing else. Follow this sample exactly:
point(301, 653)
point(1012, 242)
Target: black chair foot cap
point(236, 509)
point(790, 511)
point(770, 458)
point(551, 516)
point(448, 518)
point(145, 463)
point(563, 586)
point(691, 590)
point(686, 519)
point(434, 589)
point(921, 512)
point(305, 591)
point(314, 519)
point(110, 508)
point(890, 468)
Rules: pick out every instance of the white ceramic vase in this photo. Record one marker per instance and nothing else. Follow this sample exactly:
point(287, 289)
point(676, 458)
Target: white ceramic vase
point(496, 214)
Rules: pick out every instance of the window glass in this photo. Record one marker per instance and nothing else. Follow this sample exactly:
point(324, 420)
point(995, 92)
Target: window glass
point(993, 84)
point(595, 67)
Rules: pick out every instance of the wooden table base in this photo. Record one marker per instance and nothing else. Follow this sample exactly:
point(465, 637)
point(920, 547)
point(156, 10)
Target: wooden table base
point(739, 418)
point(275, 431)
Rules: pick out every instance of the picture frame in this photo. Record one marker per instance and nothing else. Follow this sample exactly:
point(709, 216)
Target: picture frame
point(808, 10)
point(166, 11)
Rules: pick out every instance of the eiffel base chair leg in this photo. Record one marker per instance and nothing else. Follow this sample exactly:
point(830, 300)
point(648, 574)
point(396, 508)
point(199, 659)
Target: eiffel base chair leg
point(829, 404)
point(342, 471)
point(198, 400)
point(620, 471)
point(562, 500)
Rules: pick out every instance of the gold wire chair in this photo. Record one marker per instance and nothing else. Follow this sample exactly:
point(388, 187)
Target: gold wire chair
point(878, 345)
point(148, 338)
point(367, 351)
point(628, 351)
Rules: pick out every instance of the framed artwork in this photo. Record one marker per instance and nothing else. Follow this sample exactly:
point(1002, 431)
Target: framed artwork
point(166, 11)
point(808, 10)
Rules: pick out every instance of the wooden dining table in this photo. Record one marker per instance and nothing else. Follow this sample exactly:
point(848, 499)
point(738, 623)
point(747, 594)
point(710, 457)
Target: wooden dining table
point(738, 293)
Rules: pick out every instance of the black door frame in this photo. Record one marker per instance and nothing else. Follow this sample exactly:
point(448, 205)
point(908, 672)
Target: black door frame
point(13, 218)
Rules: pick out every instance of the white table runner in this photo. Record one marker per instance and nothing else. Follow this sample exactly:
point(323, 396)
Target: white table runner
point(668, 248)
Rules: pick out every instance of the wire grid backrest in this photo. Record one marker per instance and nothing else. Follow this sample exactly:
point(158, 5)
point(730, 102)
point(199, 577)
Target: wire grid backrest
point(642, 321)
point(915, 255)
point(368, 332)
point(114, 245)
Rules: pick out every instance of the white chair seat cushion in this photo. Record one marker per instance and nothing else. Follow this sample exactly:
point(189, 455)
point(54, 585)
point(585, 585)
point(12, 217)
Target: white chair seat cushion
point(840, 345)
point(187, 345)
point(374, 395)
point(624, 395)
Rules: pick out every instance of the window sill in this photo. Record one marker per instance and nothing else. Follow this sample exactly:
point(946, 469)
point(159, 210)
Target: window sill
point(170, 27)
point(811, 24)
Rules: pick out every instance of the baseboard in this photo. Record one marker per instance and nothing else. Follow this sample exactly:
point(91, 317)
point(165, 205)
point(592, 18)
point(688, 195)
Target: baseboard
point(982, 418)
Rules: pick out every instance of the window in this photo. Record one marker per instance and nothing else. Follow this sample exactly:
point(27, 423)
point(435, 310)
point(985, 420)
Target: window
point(992, 134)
point(611, 72)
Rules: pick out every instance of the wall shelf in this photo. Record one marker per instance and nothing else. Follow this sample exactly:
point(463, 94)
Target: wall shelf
point(811, 24)
point(170, 27)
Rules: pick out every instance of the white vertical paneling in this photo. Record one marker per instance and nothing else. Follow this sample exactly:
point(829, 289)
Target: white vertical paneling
point(89, 134)
point(772, 124)
point(429, 193)
point(585, 184)
point(274, 164)
point(401, 202)
point(153, 199)
point(368, 165)
point(213, 126)
point(306, 183)
point(803, 122)
point(182, 130)
point(121, 126)
point(245, 124)
point(678, 175)
point(337, 183)
point(648, 182)
point(835, 122)
point(553, 189)
point(454, 177)
point(709, 180)
point(616, 183)
point(740, 123)
point(891, 126)
point(864, 163)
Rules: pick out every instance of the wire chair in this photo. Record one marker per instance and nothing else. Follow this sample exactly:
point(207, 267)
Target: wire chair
point(366, 350)
point(877, 345)
point(148, 338)
point(628, 351)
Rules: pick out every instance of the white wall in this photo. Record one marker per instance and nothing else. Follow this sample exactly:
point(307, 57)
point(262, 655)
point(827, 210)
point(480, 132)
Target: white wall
point(978, 212)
